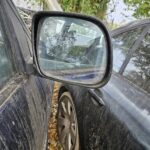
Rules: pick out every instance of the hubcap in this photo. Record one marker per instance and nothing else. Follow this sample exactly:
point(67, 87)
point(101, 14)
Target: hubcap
point(67, 123)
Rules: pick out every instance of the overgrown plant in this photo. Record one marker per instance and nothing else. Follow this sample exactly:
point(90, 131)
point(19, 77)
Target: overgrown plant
point(141, 8)
point(96, 8)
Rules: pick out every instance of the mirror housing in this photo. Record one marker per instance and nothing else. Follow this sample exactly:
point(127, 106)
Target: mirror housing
point(72, 63)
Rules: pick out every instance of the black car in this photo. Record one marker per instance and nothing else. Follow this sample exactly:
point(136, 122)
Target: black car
point(24, 97)
point(117, 116)
point(25, 94)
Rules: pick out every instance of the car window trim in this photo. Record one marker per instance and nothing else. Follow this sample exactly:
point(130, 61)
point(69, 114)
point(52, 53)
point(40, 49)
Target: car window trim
point(21, 21)
point(26, 30)
point(9, 53)
point(17, 55)
point(128, 28)
point(132, 50)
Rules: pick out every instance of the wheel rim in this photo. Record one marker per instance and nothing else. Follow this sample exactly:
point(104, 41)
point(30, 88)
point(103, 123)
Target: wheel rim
point(67, 123)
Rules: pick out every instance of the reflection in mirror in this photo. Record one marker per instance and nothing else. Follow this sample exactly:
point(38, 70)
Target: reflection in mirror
point(72, 49)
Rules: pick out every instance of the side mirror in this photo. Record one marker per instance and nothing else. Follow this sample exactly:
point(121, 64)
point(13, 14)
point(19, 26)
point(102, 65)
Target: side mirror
point(71, 48)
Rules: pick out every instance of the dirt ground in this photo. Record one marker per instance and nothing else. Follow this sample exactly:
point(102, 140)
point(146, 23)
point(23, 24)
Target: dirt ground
point(53, 143)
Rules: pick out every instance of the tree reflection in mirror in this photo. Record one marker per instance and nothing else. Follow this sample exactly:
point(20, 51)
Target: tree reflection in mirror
point(72, 48)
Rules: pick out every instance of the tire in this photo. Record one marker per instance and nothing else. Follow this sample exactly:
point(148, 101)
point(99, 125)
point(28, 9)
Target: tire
point(67, 125)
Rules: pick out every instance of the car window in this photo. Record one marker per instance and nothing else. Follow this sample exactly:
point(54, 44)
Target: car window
point(138, 69)
point(6, 65)
point(122, 44)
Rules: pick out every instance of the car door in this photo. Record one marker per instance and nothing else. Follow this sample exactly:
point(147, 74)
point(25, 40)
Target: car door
point(24, 98)
point(117, 115)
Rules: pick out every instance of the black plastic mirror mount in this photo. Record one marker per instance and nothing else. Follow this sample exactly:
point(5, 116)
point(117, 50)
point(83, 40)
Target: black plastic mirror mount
point(36, 23)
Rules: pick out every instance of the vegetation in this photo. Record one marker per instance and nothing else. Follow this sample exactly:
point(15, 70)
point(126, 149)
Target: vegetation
point(141, 8)
point(96, 8)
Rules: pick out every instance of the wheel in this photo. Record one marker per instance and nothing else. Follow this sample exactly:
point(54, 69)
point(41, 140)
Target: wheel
point(67, 123)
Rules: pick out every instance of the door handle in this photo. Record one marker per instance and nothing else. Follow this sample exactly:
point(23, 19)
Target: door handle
point(96, 97)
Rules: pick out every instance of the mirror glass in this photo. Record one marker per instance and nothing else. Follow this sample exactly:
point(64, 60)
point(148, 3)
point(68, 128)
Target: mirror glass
point(71, 49)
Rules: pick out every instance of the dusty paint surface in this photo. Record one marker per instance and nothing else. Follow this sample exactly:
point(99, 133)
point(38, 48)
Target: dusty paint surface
point(23, 113)
point(120, 124)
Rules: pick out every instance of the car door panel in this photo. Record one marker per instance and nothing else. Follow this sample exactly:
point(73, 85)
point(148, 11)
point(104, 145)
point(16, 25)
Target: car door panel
point(104, 126)
point(24, 117)
point(120, 123)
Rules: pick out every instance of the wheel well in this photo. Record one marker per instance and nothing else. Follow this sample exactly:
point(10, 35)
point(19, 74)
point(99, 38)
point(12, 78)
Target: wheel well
point(61, 91)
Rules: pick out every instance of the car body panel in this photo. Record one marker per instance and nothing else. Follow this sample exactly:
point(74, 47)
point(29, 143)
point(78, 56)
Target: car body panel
point(118, 124)
point(25, 99)
point(24, 115)
point(131, 111)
